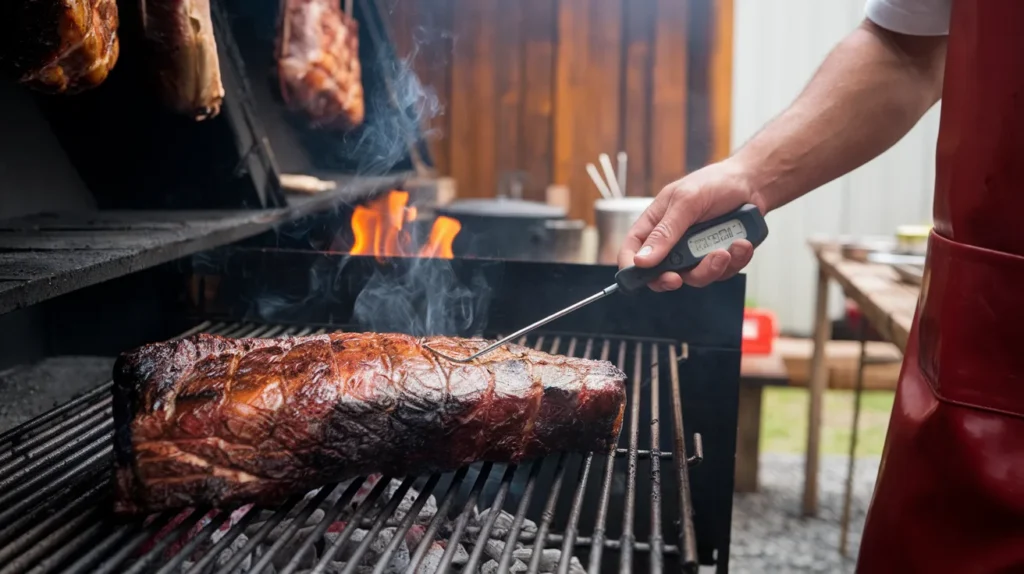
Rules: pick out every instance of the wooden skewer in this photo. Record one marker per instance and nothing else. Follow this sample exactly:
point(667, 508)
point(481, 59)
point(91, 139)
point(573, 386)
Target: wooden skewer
point(622, 172)
point(609, 172)
point(348, 8)
point(594, 175)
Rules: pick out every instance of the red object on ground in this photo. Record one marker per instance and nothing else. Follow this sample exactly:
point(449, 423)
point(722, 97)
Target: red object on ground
point(949, 496)
point(759, 331)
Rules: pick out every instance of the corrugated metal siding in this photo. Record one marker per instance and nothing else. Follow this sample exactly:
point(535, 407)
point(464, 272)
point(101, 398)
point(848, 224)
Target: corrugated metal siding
point(778, 46)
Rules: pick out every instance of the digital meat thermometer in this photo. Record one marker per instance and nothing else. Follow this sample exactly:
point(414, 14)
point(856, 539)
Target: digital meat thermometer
point(699, 241)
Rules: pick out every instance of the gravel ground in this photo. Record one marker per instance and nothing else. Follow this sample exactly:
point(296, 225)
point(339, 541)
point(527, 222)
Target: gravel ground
point(770, 536)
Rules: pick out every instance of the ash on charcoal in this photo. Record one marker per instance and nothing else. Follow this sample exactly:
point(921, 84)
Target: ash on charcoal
point(769, 533)
point(491, 567)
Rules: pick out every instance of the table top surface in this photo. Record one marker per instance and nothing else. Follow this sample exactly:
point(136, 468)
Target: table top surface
point(887, 302)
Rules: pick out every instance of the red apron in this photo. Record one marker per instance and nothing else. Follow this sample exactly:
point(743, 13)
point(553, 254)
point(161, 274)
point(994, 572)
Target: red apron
point(950, 491)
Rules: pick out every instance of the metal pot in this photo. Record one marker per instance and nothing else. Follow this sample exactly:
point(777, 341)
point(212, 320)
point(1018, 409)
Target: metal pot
point(614, 217)
point(503, 228)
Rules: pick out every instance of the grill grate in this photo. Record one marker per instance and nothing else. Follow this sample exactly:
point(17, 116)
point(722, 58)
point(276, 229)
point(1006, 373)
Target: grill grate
point(552, 515)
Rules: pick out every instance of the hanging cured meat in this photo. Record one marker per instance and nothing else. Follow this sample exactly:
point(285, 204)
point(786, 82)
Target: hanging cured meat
point(318, 63)
point(58, 46)
point(184, 55)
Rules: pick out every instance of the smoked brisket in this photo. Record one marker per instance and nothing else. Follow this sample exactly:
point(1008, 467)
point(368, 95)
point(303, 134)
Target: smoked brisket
point(208, 420)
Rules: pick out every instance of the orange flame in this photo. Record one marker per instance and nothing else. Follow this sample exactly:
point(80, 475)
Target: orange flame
point(379, 230)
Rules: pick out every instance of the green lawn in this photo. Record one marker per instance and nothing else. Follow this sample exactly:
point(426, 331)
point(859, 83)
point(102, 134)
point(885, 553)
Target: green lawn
point(784, 421)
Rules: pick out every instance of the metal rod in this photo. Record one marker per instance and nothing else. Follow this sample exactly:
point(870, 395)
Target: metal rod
point(442, 512)
point(31, 537)
point(565, 558)
point(385, 557)
point(353, 562)
point(485, 530)
point(460, 525)
point(226, 540)
point(96, 552)
point(97, 435)
point(844, 528)
point(239, 555)
point(32, 447)
point(351, 526)
point(75, 473)
point(628, 538)
point(68, 549)
point(329, 518)
point(176, 533)
point(656, 541)
point(597, 547)
point(297, 522)
point(58, 526)
point(547, 515)
point(215, 524)
point(8, 438)
point(687, 536)
point(522, 332)
point(126, 549)
point(517, 522)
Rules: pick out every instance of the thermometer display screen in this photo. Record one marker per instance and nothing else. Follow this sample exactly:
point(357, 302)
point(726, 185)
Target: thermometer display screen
point(720, 236)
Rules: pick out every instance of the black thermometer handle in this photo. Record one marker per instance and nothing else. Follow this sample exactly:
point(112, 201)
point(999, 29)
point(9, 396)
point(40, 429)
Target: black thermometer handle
point(698, 241)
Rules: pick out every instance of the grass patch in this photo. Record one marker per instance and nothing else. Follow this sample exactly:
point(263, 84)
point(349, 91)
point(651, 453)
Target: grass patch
point(784, 421)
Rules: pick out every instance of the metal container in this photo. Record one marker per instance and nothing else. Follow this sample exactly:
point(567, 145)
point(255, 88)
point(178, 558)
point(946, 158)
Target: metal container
point(566, 236)
point(614, 217)
point(503, 228)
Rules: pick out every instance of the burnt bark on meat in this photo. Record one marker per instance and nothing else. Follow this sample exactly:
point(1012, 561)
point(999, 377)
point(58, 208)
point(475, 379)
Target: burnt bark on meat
point(58, 46)
point(213, 421)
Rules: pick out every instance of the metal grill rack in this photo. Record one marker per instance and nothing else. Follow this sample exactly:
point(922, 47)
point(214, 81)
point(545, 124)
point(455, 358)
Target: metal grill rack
point(619, 511)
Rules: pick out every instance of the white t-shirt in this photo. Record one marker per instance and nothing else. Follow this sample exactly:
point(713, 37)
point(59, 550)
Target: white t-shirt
point(911, 17)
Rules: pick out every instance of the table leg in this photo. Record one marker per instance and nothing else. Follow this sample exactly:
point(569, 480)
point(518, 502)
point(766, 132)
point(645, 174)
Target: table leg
point(748, 437)
point(818, 383)
point(848, 494)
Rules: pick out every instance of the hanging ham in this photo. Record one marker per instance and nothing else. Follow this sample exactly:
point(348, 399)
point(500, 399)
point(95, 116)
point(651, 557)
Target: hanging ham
point(318, 63)
point(58, 46)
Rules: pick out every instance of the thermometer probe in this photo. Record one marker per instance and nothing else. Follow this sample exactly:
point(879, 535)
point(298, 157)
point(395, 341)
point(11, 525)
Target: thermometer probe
point(698, 241)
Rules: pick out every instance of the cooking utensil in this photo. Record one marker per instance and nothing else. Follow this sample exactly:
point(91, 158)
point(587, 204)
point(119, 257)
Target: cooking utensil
point(613, 218)
point(503, 228)
point(622, 172)
point(700, 240)
point(609, 173)
point(601, 186)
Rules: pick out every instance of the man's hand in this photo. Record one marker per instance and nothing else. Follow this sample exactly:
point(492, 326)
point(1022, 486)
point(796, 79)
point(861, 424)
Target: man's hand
point(712, 191)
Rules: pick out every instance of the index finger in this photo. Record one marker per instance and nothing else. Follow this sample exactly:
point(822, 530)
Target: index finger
point(639, 231)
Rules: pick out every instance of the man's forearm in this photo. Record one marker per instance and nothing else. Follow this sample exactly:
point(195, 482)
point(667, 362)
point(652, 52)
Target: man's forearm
point(870, 91)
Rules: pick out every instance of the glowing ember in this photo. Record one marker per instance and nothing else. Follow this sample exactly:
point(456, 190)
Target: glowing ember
point(379, 230)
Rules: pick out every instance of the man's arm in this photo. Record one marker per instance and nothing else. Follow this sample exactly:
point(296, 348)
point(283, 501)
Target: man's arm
point(869, 92)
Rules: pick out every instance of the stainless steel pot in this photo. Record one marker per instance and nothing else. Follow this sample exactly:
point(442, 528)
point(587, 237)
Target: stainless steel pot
point(613, 218)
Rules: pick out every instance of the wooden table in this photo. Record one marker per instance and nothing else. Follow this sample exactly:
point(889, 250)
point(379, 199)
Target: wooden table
point(888, 305)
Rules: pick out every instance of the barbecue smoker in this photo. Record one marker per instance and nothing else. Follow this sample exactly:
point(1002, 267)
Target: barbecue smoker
point(82, 285)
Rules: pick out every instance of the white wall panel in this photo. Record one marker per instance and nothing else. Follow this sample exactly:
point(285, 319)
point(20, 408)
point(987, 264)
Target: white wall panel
point(778, 46)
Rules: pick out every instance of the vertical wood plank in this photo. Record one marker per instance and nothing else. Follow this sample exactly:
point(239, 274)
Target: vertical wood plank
point(423, 38)
point(721, 80)
point(668, 107)
point(535, 139)
point(638, 37)
point(472, 155)
point(588, 93)
point(508, 71)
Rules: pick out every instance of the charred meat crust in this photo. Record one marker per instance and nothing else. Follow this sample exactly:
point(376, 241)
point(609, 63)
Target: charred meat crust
point(213, 421)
